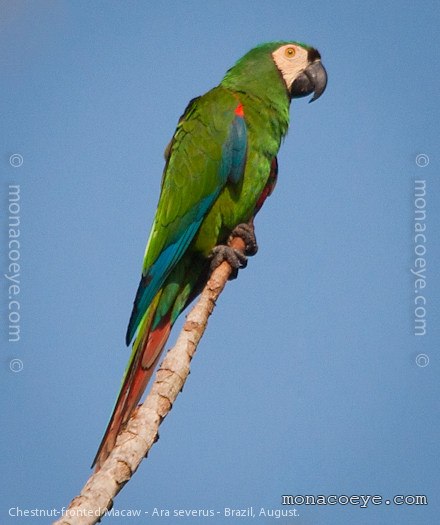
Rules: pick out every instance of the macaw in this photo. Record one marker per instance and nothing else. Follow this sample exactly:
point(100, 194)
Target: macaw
point(220, 166)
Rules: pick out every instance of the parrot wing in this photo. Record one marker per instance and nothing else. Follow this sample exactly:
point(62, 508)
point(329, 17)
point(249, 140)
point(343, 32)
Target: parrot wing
point(208, 149)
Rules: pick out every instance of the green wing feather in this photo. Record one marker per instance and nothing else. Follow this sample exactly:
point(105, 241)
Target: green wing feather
point(195, 173)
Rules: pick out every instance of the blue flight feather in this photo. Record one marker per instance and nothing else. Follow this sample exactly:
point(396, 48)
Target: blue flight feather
point(231, 168)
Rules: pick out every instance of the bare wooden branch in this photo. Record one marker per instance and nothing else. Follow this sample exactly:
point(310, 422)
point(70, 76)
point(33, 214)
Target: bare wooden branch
point(142, 430)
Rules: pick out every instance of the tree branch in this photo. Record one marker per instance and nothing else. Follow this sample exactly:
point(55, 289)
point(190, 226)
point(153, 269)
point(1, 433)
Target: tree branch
point(142, 430)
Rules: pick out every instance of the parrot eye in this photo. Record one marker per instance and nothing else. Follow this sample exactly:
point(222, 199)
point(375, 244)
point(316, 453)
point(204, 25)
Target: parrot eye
point(290, 52)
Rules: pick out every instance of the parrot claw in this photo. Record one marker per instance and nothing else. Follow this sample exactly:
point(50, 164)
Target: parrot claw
point(234, 257)
point(246, 232)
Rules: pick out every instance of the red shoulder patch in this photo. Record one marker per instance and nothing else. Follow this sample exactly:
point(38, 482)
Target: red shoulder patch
point(239, 111)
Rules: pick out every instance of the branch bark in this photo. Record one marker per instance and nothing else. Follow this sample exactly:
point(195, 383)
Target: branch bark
point(142, 429)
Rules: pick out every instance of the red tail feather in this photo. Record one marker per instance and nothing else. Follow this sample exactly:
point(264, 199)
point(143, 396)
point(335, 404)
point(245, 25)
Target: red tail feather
point(134, 385)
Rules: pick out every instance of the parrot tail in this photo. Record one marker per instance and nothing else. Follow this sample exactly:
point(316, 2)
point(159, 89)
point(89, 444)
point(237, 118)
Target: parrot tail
point(145, 355)
point(182, 286)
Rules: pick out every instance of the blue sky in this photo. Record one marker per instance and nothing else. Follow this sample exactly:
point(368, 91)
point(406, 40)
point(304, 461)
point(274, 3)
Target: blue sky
point(308, 378)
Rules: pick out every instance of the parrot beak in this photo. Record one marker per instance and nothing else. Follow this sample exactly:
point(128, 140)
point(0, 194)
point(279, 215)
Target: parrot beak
point(313, 79)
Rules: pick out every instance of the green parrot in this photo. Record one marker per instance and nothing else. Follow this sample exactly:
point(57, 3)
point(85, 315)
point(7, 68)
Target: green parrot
point(220, 166)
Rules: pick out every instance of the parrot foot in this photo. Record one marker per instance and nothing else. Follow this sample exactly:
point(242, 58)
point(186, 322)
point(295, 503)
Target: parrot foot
point(234, 257)
point(246, 232)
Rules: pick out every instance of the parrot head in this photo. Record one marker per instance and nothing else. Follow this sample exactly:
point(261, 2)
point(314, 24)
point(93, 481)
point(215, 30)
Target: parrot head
point(296, 65)
point(301, 69)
